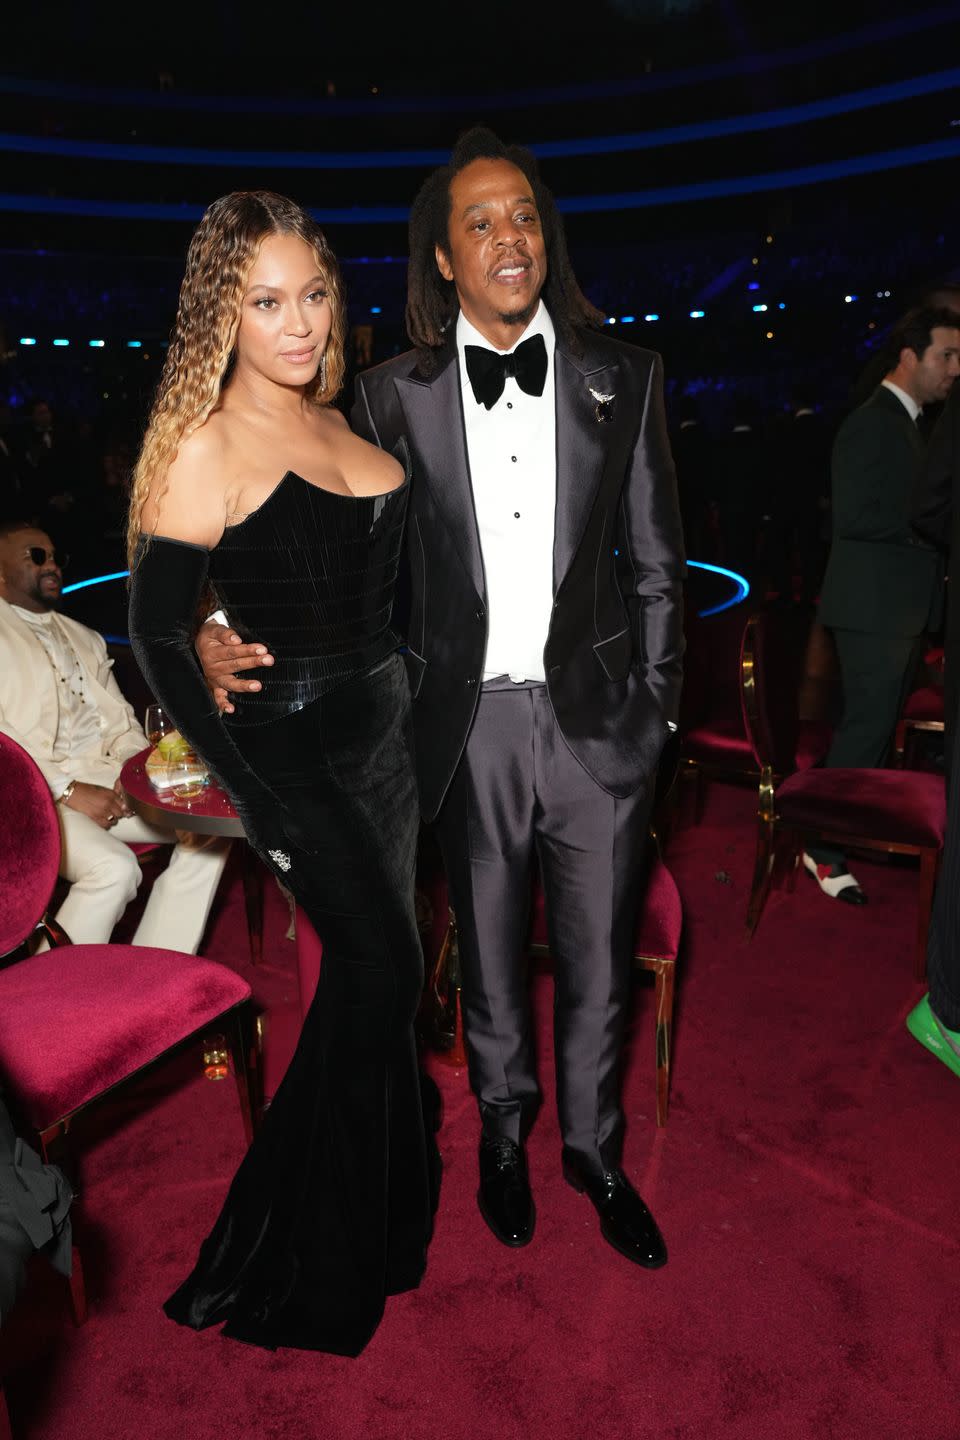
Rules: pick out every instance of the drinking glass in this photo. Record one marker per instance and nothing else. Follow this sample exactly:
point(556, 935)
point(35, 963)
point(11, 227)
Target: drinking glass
point(188, 775)
point(156, 723)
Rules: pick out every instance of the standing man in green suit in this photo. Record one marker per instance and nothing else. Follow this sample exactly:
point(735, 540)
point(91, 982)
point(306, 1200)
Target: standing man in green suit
point(883, 586)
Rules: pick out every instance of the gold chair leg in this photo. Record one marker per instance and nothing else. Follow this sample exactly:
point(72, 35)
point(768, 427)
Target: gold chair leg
point(664, 971)
point(444, 1020)
point(245, 1053)
point(929, 865)
point(762, 874)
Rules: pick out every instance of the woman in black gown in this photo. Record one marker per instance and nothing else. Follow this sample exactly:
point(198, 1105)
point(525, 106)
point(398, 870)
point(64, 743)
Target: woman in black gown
point(250, 488)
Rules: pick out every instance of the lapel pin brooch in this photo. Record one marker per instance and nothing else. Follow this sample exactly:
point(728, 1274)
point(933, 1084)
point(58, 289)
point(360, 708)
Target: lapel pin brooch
point(604, 411)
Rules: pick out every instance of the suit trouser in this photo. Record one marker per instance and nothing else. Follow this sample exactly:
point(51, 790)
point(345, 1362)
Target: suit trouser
point(877, 671)
point(518, 791)
point(105, 876)
point(943, 944)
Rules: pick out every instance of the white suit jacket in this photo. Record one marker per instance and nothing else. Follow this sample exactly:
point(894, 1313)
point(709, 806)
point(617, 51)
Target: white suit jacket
point(30, 702)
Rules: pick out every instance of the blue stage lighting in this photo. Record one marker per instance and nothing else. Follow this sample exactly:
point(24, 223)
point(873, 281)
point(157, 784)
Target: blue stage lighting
point(781, 306)
point(611, 320)
point(27, 340)
point(754, 285)
point(375, 310)
point(741, 592)
point(627, 319)
point(96, 344)
point(134, 344)
point(849, 299)
point(697, 314)
point(759, 309)
point(652, 316)
point(96, 580)
point(61, 344)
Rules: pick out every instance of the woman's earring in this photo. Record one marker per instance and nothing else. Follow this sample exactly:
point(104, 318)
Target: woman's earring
point(323, 371)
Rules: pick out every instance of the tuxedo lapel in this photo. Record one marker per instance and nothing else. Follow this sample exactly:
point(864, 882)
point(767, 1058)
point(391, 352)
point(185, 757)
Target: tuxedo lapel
point(583, 443)
point(433, 411)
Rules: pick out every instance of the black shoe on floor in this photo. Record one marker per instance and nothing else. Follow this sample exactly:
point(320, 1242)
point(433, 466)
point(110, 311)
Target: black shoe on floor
point(625, 1221)
point(835, 880)
point(504, 1196)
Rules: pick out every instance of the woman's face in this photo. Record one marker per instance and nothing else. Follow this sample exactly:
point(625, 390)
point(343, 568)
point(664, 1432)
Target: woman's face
point(285, 314)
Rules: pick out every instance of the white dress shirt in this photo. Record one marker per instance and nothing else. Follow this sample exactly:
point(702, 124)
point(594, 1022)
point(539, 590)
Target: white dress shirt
point(908, 402)
point(512, 452)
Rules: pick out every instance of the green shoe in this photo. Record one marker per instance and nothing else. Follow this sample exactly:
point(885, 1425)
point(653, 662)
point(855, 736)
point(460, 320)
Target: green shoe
point(925, 1027)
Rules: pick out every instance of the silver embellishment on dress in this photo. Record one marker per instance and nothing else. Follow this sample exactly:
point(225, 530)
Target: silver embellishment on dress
point(600, 398)
point(280, 859)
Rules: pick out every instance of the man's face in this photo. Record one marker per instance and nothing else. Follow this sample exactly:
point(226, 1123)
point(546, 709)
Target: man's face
point(22, 580)
point(937, 368)
point(496, 256)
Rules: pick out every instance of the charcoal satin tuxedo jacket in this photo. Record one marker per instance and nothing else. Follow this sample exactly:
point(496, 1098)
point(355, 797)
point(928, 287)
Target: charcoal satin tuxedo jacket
point(613, 652)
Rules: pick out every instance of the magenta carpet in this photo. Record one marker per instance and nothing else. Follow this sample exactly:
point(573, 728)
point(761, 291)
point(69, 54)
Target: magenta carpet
point(807, 1185)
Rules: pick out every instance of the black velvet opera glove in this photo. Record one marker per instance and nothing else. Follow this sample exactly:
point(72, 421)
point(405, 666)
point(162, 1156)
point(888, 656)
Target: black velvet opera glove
point(166, 582)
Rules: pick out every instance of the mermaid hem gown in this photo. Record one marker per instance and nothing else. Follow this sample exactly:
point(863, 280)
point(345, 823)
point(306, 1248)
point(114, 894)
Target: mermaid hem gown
point(331, 1208)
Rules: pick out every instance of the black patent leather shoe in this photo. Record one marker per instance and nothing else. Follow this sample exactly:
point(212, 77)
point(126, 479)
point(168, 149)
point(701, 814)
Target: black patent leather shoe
point(625, 1221)
point(504, 1196)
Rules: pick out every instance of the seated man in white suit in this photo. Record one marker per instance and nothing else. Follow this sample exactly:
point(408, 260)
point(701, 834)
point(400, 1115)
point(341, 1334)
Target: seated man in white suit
point(60, 702)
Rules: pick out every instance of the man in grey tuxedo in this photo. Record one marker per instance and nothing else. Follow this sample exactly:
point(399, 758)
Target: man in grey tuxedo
point(544, 648)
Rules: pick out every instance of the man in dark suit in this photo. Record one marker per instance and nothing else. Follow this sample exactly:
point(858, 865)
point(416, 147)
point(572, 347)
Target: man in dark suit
point(544, 648)
point(936, 514)
point(883, 584)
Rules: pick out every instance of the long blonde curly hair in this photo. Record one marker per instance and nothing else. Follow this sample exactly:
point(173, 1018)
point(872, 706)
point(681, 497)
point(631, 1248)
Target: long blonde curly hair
point(202, 345)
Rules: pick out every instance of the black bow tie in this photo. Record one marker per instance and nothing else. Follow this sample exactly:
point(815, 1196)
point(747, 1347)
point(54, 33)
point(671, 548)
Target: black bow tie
point(488, 370)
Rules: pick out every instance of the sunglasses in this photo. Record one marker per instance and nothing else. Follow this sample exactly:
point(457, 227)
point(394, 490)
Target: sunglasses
point(39, 555)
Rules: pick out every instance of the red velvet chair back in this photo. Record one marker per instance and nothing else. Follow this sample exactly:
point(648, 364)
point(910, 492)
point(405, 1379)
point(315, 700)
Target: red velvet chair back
point(771, 665)
point(29, 845)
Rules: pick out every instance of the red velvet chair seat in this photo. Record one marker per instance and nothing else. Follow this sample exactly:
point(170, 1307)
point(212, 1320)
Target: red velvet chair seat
point(659, 923)
point(902, 806)
point(122, 1006)
point(924, 704)
point(720, 742)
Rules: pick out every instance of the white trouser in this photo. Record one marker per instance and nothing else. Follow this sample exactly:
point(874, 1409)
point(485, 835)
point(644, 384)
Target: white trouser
point(105, 875)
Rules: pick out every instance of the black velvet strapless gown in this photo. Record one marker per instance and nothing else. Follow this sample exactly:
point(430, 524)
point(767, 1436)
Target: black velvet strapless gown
point(330, 1210)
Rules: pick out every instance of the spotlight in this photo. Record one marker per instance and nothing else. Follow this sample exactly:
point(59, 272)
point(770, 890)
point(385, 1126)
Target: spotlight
point(697, 314)
point(611, 320)
point(759, 309)
point(781, 306)
point(134, 344)
point(754, 285)
point(96, 344)
point(61, 344)
point(652, 316)
point(375, 310)
point(27, 340)
point(769, 334)
point(627, 319)
point(849, 299)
